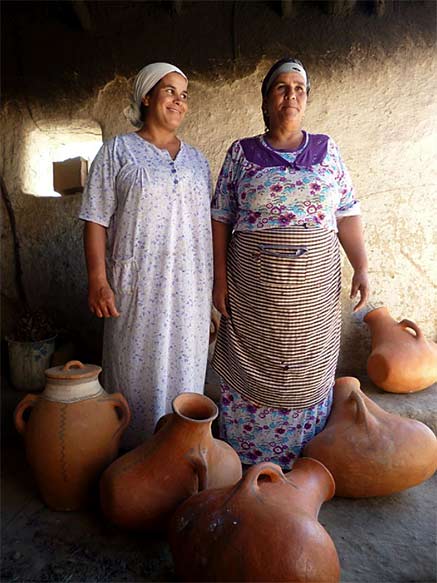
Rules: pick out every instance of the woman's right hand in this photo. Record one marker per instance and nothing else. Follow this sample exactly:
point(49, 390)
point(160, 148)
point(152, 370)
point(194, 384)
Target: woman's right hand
point(101, 300)
point(220, 297)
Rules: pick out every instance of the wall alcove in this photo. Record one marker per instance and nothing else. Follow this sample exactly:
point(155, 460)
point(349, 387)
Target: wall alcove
point(50, 143)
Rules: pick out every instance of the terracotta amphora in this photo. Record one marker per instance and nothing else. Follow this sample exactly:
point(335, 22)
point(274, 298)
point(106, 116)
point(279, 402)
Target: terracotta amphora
point(142, 489)
point(402, 359)
point(72, 432)
point(263, 529)
point(371, 452)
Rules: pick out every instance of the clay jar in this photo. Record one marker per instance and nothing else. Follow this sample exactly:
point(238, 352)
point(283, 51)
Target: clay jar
point(72, 432)
point(371, 452)
point(143, 488)
point(402, 359)
point(263, 529)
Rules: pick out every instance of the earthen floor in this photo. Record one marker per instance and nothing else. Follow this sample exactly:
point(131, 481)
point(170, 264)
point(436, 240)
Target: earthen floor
point(379, 540)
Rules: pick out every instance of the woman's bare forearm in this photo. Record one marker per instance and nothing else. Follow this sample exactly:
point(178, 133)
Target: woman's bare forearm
point(221, 234)
point(95, 251)
point(350, 233)
point(101, 299)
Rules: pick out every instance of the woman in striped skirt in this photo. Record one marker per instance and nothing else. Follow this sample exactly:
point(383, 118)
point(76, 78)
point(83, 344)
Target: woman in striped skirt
point(283, 202)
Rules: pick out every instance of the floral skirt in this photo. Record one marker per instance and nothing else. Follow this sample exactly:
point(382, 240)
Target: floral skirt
point(268, 434)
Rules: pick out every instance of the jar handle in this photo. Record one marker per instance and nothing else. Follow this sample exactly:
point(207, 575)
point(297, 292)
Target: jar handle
point(361, 409)
point(28, 402)
point(119, 402)
point(198, 459)
point(410, 324)
point(73, 364)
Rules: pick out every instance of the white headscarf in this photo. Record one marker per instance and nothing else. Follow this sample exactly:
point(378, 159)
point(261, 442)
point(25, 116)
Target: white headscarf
point(147, 78)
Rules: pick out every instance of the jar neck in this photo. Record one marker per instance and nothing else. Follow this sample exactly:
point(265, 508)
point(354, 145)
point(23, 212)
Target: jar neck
point(193, 426)
point(379, 319)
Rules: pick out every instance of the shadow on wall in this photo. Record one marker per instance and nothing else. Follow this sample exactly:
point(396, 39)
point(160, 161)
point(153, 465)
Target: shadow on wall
point(48, 234)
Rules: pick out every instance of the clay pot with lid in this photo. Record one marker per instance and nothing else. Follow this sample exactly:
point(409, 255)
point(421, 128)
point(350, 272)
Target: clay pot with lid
point(72, 432)
point(371, 452)
point(142, 488)
point(402, 359)
point(263, 529)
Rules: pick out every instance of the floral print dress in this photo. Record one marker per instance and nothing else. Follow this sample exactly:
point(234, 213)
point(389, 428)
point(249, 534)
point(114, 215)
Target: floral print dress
point(260, 188)
point(268, 434)
point(159, 265)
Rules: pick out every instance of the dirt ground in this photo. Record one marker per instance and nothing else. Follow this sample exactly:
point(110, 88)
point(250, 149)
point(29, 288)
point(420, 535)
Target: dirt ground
point(379, 540)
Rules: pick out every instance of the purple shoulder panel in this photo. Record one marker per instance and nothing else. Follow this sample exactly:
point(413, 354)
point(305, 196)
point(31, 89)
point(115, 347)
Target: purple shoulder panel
point(314, 153)
point(258, 154)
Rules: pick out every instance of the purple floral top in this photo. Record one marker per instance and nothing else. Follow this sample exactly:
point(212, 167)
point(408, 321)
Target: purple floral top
point(263, 188)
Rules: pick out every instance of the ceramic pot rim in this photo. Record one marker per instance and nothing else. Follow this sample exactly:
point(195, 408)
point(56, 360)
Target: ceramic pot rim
point(182, 402)
point(372, 313)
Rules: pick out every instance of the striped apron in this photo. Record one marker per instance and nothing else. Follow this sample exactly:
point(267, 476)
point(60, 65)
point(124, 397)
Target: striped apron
point(280, 346)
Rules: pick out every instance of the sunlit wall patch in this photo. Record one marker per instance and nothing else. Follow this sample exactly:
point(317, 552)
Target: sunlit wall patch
point(54, 143)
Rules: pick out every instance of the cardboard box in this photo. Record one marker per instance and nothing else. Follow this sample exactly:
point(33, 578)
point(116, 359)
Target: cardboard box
point(70, 175)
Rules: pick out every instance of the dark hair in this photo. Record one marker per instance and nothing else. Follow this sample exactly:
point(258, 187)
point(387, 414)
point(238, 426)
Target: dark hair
point(143, 112)
point(270, 73)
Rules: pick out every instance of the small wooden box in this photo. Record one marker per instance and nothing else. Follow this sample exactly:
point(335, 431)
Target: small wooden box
point(70, 175)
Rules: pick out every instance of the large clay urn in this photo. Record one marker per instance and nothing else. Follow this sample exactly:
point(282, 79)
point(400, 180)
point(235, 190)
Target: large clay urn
point(142, 489)
point(72, 432)
point(371, 452)
point(402, 359)
point(263, 529)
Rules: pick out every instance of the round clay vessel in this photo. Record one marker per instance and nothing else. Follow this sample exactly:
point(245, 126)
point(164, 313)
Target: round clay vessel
point(72, 432)
point(263, 529)
point(142, 489)
point(402, 359)
point(371, 452)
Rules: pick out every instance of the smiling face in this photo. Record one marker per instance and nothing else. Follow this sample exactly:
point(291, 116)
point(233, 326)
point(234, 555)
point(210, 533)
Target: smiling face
point(286, 101)
point(166, 104)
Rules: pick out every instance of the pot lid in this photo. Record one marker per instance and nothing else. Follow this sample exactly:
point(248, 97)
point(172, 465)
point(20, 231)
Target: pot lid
point(73, 370)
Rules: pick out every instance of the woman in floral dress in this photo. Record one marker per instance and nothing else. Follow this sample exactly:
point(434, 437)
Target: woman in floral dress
point(149, 254)
point(283, 203)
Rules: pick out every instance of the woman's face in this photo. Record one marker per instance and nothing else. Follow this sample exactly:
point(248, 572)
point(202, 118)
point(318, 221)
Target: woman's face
point(286, 100)
point(167, 103)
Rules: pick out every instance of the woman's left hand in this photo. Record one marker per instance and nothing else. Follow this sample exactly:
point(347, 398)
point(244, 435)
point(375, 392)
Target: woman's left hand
point(360, 283)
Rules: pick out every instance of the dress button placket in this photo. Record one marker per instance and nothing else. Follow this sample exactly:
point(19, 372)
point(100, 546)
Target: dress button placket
point(174, 172)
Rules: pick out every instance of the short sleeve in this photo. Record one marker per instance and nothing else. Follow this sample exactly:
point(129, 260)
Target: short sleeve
point(99, 200)
point(224, 206)
point(348, 205)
